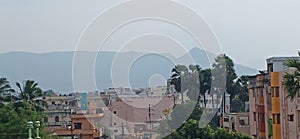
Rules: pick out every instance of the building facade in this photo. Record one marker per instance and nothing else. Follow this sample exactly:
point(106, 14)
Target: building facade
point(129, 116)
point(272, 114)
point(59, 110)
point(238, 122)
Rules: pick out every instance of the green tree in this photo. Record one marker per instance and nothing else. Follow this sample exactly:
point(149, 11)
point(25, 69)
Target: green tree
point(242, 83)
point(205, 83)
point(29, 93)
point(236, 87)
point(190, 127)
point(15, 115)
point(13, 122)
point(186, 81)
point(5, 89)
point(224, 67)
point(292, 80)
point(238, 102)
point(192, 80)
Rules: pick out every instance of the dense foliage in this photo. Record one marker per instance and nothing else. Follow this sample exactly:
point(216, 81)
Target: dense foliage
point(17, 108)
point(196, 81)
point(190, 129)
point(292, 80)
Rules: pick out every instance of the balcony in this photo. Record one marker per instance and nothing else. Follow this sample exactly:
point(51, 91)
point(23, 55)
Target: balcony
point(58, 108)
point(56, 123)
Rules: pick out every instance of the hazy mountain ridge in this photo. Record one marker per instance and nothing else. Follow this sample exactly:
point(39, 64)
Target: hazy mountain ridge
point(54, 70)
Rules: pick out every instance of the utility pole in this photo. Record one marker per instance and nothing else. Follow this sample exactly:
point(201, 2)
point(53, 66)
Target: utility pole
point(224, 103)
point(181, 97)
point(70, 127)
point(150, 121)
point(174, 101)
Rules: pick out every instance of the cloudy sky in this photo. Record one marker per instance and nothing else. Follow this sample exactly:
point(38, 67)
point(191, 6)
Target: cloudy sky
point(249, 31)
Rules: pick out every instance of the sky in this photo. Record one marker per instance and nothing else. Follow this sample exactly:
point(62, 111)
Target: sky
point(249, 31)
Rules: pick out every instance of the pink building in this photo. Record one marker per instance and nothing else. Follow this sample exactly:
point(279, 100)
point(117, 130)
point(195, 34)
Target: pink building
point(130, 115)
point(272, 114)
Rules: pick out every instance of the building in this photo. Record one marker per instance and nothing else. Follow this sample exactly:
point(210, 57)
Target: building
point(76, 115)
point(213, 102)
point(272, 114)
point(237, 122)
point(82, 126)
point(260, 106)
point(129, 116)
point(59, 110)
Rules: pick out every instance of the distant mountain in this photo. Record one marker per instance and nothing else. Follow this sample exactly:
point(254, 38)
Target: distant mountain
point(54, 70)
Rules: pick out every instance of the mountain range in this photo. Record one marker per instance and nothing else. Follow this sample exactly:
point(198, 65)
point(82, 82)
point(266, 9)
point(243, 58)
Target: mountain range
point(54, 70)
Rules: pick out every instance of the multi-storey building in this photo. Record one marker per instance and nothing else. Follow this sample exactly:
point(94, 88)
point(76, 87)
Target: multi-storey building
point(59, 110)
point(129, 116)
point(76, 115)
point(272, 114)
point(81, 126)
point(260, 106)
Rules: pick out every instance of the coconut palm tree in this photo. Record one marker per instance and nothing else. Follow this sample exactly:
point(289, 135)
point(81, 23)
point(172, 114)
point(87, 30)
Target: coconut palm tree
point(4, 88)
point(292, 80)
point(31, 93)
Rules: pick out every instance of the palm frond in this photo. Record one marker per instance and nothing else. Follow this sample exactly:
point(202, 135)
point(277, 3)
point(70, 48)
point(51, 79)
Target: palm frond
point(19, 86)
point(293, 63)
point(291, 83)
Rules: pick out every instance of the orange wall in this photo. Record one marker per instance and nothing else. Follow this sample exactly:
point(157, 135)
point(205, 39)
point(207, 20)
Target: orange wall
point(275, 104)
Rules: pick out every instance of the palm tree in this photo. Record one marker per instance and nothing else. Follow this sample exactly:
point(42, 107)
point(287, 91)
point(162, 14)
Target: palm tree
point(30, 93)
point(4, 88)
point(292, 80)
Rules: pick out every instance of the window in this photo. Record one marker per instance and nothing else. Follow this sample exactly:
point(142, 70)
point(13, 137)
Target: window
point(53, 102)
point(115, 112)
point(226, 119)
point(56, 119)
point(298, 118)
point(272, 91)
point(278, 118)
point(115, 123)
point(273, 118)
point(254, 116)
point(269, 101)
point(277, 91)
point(244, 121)
point(270, 67)
point(291, 117)
point(77, 125)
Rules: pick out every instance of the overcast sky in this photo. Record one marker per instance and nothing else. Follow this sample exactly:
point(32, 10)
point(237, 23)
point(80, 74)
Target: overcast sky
point(249, 30)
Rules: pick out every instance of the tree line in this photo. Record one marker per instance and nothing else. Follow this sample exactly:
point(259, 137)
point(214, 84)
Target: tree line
point(17, 107)
point(196, 82)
